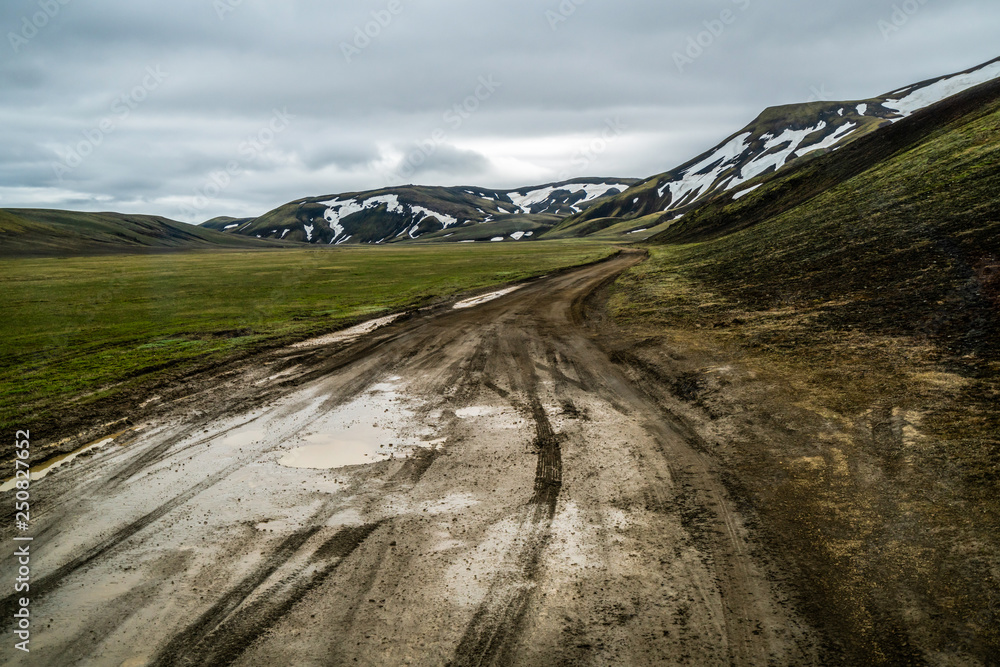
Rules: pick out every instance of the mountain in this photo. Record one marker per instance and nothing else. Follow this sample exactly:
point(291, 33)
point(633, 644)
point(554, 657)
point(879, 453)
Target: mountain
point(799, 184)
point(411, 212)
point(46, 233)
point(862, 288)
point(780, 137)
point(904, 218)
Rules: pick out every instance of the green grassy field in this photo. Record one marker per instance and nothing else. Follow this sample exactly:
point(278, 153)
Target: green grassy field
point(74, 331)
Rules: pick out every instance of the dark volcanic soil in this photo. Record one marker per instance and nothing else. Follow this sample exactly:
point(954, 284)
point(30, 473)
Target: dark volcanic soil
point(510, 496)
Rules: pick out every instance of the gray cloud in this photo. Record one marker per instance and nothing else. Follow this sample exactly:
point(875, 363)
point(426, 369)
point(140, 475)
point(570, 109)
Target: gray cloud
point(356, 104)
point(441, 160)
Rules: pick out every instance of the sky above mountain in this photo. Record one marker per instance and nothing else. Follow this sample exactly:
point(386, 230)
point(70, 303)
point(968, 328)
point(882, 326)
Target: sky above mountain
point(197, 108)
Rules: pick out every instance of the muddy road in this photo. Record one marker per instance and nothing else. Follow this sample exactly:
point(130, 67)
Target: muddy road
point(465, 486)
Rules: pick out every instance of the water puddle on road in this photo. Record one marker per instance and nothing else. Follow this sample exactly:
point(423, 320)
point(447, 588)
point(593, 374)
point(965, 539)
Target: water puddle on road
point(41, 470)
point(348, 335)
point(485, 298)
point(373, 427)
point(475, 411)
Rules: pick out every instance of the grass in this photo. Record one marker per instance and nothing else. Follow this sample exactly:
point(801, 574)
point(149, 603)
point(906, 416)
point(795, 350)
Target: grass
point(81, 330)
point(871, 458)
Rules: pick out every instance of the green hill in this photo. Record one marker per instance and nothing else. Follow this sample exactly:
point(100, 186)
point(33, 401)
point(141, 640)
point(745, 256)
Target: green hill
point(837, 331)
point(47, 233)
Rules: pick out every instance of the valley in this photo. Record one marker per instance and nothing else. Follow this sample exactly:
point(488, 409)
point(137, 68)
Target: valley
point(743, 412)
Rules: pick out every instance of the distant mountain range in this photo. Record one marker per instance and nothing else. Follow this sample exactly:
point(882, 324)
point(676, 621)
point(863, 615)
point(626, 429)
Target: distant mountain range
point(413, 212)
point(780, 139)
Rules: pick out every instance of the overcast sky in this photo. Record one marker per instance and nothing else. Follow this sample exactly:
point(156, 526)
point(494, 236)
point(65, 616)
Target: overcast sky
point(197, 108)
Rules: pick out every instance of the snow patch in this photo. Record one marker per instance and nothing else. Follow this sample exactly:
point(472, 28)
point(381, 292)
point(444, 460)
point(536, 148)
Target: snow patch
point(790, 139)
point(940, 90)
point(691, 182)
point(525, 200)
point(443, 218)
point(309, 232)
point(339, 209)
point(744, 193)
point(830, 140)
point(231, 226)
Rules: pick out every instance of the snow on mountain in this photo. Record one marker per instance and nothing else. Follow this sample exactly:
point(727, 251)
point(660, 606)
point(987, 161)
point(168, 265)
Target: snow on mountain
point(779, 137)
point(913, 98)
point(739, 160)
point(445, 219)
point(541, 200)
point(563, 198)
point(409, 212)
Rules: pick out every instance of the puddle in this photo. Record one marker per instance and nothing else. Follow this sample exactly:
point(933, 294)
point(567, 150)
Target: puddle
point(479, 300)
point(40, 471)
point(243, 438)
point(350, 334)
point(475, 411)
point(373, 427)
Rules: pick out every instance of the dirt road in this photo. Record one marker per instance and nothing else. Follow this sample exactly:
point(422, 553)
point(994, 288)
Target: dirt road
point(508, 498)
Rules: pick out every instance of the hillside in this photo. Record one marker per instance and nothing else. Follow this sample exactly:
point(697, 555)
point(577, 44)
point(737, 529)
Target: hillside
point(797, 185)
point(406, 213)
point(779, 138)
point(46, 233)
point(838, 350)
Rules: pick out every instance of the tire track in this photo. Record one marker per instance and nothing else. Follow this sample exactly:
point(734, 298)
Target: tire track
point(44, 585)
point(705, 510)
point(47, 583)
point(158, 453)
point(495, 627)
point(225, 631)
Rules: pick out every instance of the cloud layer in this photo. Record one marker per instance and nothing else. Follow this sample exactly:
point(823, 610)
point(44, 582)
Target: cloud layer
point(200, 108)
